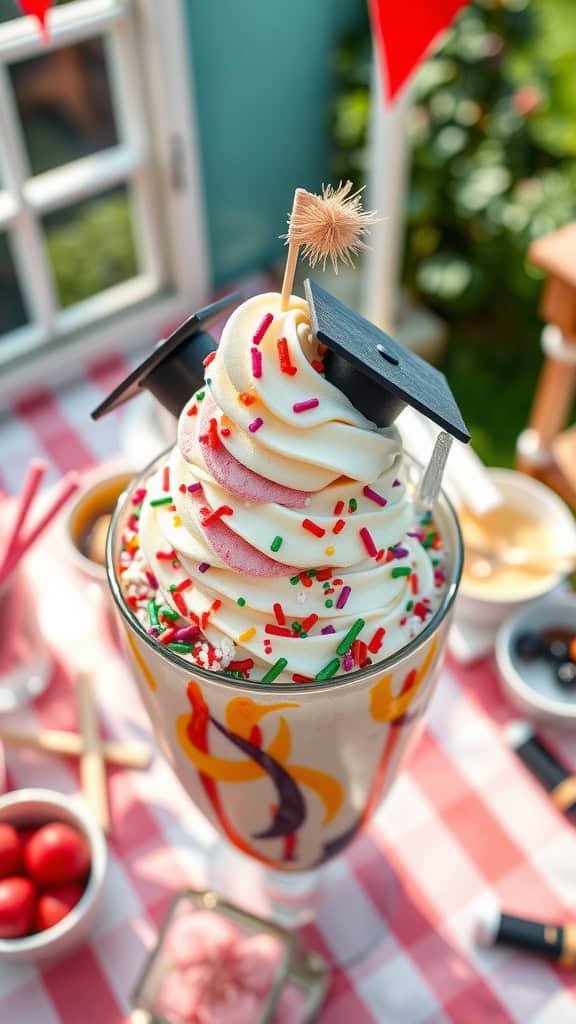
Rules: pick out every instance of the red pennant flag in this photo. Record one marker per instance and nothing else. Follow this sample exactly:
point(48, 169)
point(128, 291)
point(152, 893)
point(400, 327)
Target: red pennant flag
point(403, 31)
point(38, 9)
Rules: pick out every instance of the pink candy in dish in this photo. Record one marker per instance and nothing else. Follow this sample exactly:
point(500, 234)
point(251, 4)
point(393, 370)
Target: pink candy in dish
point(215, 963)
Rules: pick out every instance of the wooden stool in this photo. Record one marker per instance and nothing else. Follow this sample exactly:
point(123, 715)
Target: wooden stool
point(546, 449)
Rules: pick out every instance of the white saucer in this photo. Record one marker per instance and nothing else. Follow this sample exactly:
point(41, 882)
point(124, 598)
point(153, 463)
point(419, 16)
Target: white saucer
point(530, 685)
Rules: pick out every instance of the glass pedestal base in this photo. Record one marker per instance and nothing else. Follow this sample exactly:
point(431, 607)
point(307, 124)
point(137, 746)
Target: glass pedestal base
point(293, 896)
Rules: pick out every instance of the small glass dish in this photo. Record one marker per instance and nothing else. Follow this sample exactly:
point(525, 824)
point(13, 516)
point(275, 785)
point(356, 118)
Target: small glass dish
point(305, 990)
point(25, 661)
point(215, 961)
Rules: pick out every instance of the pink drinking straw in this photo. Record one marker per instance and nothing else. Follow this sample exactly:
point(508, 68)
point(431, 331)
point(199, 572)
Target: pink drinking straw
point(69, 486)
point(32, 482)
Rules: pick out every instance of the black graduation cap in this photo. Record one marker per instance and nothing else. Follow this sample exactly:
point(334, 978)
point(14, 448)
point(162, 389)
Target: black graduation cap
point(379, 376)
point(174, 370)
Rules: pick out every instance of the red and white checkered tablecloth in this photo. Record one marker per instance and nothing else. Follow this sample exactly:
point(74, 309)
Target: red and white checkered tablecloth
point(464, 820)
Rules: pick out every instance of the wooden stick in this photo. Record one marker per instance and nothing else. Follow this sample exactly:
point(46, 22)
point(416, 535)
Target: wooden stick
point(289, 272)
point(92, 770)
point(553, 400)
point(69, 744)
point(32, 482)
point(69, 486)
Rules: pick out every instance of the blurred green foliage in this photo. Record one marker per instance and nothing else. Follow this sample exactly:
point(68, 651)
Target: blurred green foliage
point(493, 131)
point(91, 246)
point(493, 134)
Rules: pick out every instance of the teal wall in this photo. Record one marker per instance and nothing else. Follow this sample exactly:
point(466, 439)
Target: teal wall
point(263, 84)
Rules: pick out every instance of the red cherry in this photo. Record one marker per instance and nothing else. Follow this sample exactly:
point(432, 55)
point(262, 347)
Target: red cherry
point(26, 833)
point(17, 906)
point(10, 850)
point(56, 853)
point(56, 904)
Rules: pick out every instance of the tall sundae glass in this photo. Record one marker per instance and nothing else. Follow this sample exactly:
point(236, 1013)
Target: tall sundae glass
point(284, 593)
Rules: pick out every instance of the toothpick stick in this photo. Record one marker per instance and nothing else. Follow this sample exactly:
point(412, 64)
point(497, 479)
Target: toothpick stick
point(289, 272)
point(70, 744)
point(92, 772)
point(69, 485)
point(329, 226)
point(34, 478)
point(431, 482)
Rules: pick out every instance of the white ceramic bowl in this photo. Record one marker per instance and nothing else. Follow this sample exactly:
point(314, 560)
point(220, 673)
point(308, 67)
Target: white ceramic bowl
point(530, 686)
point(485, 610)
point(35, 807)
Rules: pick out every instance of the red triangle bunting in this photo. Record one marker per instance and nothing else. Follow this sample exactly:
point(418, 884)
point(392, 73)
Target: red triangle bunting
point(403, 32)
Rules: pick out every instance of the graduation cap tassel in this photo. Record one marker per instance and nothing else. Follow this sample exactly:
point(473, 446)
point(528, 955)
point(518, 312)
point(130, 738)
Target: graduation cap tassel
point(431, 482)
point(329, 226)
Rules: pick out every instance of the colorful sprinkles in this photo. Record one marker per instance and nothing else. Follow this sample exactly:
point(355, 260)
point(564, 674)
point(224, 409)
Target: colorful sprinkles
point(262, 328)
point(284, 358)
point(350, 636)
point(368, 542)
point(256, 357)
point(329, 670)
point(210, 516)
point(309, 403)
point(179, 629)
point(312, 527)
point(275, 670)
point(374, 496)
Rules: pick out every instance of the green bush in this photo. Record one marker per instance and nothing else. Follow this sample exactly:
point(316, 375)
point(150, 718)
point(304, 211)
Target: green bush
point(494, 151)
point(91, 246)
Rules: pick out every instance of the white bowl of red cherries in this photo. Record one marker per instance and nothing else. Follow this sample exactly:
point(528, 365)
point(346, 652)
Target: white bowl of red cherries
point(52, 867)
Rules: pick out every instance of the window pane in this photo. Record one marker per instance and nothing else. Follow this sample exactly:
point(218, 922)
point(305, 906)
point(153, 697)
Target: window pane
point(9, 9)
point(65, 104)
point(12, 312)
point(91, 245)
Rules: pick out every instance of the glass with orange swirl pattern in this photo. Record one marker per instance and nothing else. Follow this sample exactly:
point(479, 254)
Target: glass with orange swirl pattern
point(288, 773)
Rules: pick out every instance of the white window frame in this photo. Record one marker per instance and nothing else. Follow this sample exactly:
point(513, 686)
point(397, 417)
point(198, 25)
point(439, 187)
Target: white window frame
point(157, 156)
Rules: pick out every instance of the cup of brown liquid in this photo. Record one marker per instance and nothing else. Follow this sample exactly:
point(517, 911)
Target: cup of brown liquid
point(88, 520)
point(532, 521)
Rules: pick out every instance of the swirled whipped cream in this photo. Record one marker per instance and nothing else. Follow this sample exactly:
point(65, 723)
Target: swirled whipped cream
point(278, 540)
